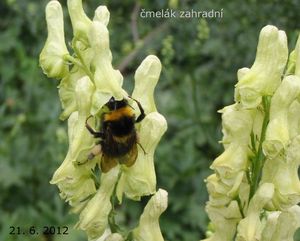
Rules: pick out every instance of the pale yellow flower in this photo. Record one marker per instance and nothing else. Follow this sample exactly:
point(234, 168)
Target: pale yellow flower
point(224, 220)
point(108, 81)
point(231, 165)
point(282, 171)
point(80, 22)
point(277, 135)
point(270, 225)
point(218, 191)
point(265, 74)
point(75, 183)
point(287, 224)
point(237, 124)
point(148, 228)
point(140, 179)
point(52, 55)
point(146, 78)
point(94, 217)
point(250, 228)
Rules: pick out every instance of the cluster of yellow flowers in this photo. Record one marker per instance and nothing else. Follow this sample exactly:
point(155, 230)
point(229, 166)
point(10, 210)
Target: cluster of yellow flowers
point(254, 192)
point(87, 82)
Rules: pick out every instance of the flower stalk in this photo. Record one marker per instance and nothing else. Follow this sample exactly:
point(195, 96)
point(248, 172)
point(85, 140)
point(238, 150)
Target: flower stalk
point(256, 177)
point(87, 82)
point(259, 156)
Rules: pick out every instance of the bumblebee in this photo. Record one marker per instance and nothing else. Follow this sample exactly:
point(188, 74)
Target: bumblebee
point(118, 137)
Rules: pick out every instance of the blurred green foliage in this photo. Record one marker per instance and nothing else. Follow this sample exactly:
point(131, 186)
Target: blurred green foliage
point(200, 59)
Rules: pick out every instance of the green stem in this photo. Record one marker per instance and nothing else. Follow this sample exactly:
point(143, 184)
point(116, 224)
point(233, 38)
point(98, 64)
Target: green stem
point(259, 159)
point(114, 227)
point(79, 64)
point(240, 206)
point(290, 69)
point(79, 61)
point(84, 66)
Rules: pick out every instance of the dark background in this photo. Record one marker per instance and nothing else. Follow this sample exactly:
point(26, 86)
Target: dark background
point(200, 59)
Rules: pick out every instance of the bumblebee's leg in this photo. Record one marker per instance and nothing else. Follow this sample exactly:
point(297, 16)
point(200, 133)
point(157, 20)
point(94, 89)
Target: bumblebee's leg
point(142, 115)
point(96, 134)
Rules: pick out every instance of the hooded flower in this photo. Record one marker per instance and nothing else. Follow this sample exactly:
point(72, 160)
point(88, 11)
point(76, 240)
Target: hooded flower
point(146, 78)
point(108, 81)
point(220, 194)
point(94, 217)
point(224, 221)
point(75, 183)
point(52, 55)
point(236, 124)
point(283, 172)
point(277, 135)
point(284, 225)
point(80, 22)
point(270, 225)
point(231, 165)
point(265, 74)
point(140, 179)
point(148, 228)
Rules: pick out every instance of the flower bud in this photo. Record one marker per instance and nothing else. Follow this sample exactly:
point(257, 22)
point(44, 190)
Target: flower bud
point(52, 55)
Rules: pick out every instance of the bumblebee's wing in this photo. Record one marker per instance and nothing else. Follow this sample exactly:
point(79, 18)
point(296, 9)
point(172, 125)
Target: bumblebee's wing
point(107, 163)
point(130, 157)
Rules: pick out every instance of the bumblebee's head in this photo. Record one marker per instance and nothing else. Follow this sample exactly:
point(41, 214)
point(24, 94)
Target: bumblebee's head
point(113, 104)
